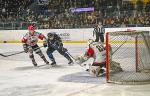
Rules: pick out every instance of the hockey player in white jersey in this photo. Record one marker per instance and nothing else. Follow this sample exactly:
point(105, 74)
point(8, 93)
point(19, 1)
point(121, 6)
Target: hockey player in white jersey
point(30, 44)
point(96, 50)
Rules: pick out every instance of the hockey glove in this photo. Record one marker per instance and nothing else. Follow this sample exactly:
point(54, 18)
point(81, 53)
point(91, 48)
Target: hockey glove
point(44, 45)
point(25, 47)
point(30, 49)
point(64, 49)
point(59, 43)
point(80, 59)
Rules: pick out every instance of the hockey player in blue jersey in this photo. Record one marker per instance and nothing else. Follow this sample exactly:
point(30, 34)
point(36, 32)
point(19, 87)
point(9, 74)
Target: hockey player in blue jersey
point(53, 43)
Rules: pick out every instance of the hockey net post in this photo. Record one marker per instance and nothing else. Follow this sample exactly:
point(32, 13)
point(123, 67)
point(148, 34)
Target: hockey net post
point(129, 61)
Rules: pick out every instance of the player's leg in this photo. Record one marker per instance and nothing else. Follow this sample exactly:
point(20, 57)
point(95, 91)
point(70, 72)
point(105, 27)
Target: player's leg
point(39, 52)
point(31, 56)
point(62, 51)
point(50, 55)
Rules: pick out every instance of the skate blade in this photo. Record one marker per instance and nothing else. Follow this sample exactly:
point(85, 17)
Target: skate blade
point(53, 65)
point(45, 66)
point(71, 64)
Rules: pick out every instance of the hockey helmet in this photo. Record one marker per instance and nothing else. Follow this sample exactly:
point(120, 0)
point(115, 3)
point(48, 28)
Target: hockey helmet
point(90, 41)
point(50, 36)
point(30, 27)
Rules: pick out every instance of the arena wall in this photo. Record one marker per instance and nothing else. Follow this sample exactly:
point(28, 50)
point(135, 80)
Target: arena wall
point(67, 35)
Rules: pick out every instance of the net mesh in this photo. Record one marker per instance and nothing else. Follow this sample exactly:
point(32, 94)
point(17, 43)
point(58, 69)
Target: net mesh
point(131, 51)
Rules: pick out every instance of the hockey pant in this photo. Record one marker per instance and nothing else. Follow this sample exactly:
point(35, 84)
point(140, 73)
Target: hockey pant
point(61, 51)
point(37, 50)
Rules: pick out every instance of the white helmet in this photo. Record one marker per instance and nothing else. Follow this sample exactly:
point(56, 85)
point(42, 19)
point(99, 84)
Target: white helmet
point(90, 41)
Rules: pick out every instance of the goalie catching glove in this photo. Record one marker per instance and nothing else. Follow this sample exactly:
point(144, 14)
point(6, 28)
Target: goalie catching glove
point(81, 59)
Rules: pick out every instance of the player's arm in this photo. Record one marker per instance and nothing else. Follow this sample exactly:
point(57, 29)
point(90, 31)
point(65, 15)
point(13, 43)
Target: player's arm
point(45, 42)
point(58, 40)
point(89, 52)
point(41, 36)
point(85, 56)
point(24, 41)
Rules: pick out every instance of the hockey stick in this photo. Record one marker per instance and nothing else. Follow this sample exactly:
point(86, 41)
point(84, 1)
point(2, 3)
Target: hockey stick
point(12, 54)
point(15, 53)
point(70, 55)
point(3, 55)
point(75, 61)
point(66, 51)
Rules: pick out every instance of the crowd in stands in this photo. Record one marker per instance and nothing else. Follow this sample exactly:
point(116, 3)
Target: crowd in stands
point(57, 14)
point(12, 9)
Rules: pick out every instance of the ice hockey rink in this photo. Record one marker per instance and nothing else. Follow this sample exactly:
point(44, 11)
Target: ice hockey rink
point(18, 77)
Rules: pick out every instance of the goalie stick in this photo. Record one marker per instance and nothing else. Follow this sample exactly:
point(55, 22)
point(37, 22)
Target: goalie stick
point(14, 53)
point(83, 67)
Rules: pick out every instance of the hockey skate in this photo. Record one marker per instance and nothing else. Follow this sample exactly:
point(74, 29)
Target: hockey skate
point(70, 62)
point(45, 60)
point(34, 63)
point(47, 63)
point(53, 64)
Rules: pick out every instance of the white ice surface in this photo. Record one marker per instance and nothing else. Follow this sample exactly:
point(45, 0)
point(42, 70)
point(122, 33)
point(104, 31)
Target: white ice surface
point(19, 78)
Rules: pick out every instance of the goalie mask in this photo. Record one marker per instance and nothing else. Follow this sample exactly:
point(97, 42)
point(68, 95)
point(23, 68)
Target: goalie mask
point(98, 45)
point(90, 41)
point(50, 36)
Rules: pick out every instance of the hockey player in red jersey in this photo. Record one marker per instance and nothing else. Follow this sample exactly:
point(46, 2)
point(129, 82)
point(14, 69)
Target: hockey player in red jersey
point(30, 44)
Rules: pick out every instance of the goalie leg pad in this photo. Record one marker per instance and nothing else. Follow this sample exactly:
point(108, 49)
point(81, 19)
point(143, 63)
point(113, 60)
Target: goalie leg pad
point(115, 66)
point(96, 71)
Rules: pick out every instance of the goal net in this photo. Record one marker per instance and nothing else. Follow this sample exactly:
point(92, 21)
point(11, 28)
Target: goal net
point(129, 62)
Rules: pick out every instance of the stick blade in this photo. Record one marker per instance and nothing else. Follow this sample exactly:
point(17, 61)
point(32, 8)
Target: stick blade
point(3, 55)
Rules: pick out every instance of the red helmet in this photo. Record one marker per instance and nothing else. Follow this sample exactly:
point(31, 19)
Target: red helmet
point(30, 27)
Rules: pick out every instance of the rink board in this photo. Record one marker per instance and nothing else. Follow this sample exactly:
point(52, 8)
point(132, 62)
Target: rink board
point(67, 35)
